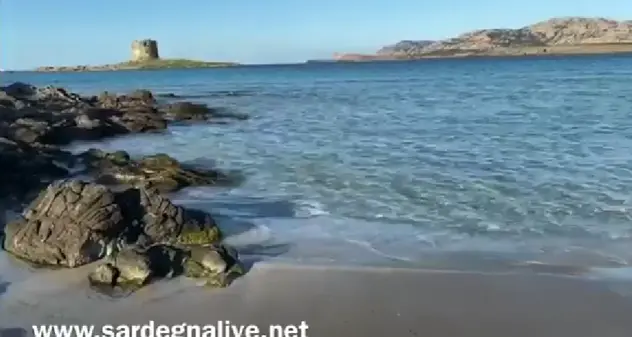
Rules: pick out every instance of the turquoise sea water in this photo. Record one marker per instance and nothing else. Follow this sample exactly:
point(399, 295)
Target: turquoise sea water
point(478, 163)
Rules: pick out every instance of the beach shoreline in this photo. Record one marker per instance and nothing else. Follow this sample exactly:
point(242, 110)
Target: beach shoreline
point(340, 301)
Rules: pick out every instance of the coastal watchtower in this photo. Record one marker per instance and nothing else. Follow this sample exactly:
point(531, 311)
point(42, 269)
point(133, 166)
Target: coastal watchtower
point(144, 50)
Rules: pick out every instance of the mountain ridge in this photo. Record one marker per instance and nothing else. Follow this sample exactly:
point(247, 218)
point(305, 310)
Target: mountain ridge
point(572, 35)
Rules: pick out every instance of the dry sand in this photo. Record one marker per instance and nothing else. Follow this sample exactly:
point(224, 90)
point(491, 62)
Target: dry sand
point(341, 302)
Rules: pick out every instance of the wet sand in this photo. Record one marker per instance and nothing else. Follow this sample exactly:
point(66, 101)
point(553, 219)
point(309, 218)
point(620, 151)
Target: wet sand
point(341, 302)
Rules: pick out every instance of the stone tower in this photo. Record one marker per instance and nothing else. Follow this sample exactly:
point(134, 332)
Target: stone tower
point(143, 50)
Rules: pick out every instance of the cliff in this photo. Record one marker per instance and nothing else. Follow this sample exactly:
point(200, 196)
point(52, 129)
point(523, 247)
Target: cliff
point(571, 35)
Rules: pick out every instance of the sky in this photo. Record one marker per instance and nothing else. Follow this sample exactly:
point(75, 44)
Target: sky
point(72, 32)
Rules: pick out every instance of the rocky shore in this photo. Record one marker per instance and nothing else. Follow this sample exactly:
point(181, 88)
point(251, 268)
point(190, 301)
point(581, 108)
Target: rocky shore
point(101, 207)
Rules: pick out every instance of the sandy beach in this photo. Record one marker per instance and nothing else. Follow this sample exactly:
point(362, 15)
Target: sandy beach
point(337, 301)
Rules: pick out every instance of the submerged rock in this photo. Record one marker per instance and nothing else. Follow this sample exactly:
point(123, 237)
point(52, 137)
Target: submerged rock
point(159, 171)
point(187, 111)
point(181, 111)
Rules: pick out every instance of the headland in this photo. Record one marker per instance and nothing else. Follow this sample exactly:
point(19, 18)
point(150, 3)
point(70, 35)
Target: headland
point(145, 56)
point(556, 36)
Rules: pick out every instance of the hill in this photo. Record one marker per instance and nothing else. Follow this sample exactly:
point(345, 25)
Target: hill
point(570, 35)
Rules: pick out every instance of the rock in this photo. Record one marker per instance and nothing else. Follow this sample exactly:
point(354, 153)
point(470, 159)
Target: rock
point(9, 101)
point(140, 234)
point(134, 268)
point(104, 274)
point(216, 265)
point(187, 111)
point(159, 171)
point(127, 270)
point(72, 223)
point(29, 130)
point(49, 96)
point(69, 224)
point(143, 95)
point(25, 169)
point(51, 115)
point(166, 260)
point(168, 223)
point(136, 100)
point(181, 111)
point(130, 269)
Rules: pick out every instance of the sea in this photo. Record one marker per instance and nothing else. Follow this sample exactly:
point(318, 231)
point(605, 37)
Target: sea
point(486, 164)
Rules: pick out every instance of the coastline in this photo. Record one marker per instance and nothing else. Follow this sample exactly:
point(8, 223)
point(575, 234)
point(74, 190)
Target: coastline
point(158, 64)
point(510, 52)
point(340, 302)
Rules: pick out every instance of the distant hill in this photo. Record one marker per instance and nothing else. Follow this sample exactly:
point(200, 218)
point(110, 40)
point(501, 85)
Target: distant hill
point(570, 35)
point(402, 47)
point(138, 65)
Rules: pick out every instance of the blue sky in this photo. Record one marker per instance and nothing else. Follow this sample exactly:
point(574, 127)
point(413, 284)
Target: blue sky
point(70, 32)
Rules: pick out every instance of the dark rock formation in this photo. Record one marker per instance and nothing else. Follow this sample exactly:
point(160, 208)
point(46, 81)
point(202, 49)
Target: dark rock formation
point(140, 233)
point(25, 169)
point(33, 121)
point(159, 170)
point(187, 111)
point(51, 115)
point(127, 270)
point(69, 224)
point(73, 223)
point(216, 265)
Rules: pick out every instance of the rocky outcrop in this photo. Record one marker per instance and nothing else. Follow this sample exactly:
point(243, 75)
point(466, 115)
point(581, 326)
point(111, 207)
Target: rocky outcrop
point(550, 36)
point(126, 222)
point(52, 115)
point(34, 122)
point(159, 170)
point(69, 224)
point(215, 265)
point(141, 233)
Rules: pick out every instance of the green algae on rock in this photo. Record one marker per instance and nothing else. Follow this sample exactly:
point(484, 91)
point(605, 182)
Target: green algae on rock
point(158, 171)
point(199, 236)
point(215, 265)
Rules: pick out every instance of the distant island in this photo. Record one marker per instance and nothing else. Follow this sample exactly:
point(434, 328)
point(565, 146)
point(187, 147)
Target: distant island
point(556, 36)
point(144, 56)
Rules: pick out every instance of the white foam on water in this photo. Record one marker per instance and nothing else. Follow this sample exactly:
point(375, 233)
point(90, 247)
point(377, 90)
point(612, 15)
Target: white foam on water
point(309, 208)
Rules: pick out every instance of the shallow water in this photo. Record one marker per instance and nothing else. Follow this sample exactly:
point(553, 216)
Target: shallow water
point(467, 164)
